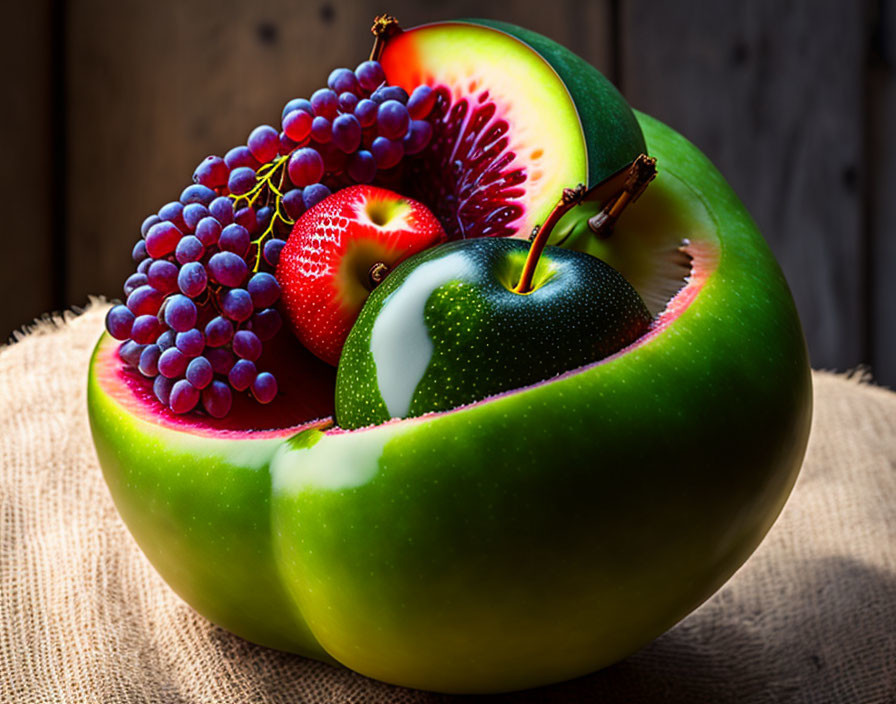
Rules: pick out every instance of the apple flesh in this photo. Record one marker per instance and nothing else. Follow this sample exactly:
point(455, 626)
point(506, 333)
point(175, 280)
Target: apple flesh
point(447, 328)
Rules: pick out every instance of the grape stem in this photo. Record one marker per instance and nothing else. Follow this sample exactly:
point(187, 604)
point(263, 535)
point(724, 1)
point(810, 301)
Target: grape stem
point(384, 26)
point(264, 186)
point(616, 192)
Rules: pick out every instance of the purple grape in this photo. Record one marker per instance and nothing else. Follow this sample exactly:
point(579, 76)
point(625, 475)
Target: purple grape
point(362, 166)
point(314, 194)
point(139, 253)
point(149, 361)
point(242, 375)
point(264, 388)
point(227, 268)
point(263, 217)
point(247, 218)
point(144, 300)
point(166, 340)
point(119, 321)
point(272, 249)
point(189, 249)
point(418, 136)
point(297, 104)
point(366, 111)
point(217, 399)
point(264, 143)
point(292, 203)
point(172, 363)
point(197, 193)
point(321, 131)
point(246, 345)
point(144, 265)
point(184, 397)
point(180, 313)
point(200, 372)
point(347, 133)
point(266, 324)
point(385, 93)
point(162, 239)
point(221, 358)
point(240, 156)
point(173, 212)
point(305, 167)
point(297, 125)
point(386, 152)
point(192, 279)
point(264, 289)
point(208, 231)
point(146, 329)
point(191, 342)
point(218, 331)
point(193, 213)
point(148, 222)
point(130, 352)
point(343, 80)
point(134, 281)
point(221, 209)
point(286, 144)
point(334, 158)
point(421, 102)
point(241, 181)
point(325, 103)
point(236, 304)
point(347, 102)
point(392, 119)
point(235, 238)
point(211, 172)
point(161, 387)
point(370, 75)
point(162, 276)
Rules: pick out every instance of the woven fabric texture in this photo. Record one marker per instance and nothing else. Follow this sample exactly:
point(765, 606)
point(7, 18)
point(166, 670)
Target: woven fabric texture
point(811, 617)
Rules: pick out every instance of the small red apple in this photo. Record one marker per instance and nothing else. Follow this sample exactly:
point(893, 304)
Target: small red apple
point(338, 252)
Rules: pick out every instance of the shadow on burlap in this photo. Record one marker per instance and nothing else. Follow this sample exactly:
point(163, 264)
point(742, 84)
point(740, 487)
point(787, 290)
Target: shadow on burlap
point(811, 617)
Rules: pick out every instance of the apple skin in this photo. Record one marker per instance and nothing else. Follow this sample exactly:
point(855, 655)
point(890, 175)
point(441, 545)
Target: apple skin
point(447, 328)
point(550, 532)
point(524, 540)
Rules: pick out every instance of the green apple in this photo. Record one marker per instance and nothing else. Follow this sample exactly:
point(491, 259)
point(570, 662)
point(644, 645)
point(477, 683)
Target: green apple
point(447, 328)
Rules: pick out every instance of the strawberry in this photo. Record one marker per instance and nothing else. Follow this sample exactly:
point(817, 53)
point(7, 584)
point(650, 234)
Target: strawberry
point(338, 251)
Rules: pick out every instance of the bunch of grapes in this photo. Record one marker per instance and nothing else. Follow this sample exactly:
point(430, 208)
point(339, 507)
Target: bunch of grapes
point(201, 303)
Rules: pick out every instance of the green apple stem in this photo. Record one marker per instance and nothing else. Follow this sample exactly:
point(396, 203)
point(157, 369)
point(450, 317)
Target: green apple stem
point(384, 26)
point(637, 177)
point(570, 198)
point(616, 191)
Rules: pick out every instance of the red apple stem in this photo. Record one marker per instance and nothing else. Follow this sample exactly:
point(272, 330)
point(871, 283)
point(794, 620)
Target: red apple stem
point(617, 191)
point(570, 198)
point(384, 26)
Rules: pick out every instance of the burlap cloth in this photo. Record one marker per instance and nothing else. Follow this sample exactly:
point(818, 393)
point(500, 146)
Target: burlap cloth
point(811, 617)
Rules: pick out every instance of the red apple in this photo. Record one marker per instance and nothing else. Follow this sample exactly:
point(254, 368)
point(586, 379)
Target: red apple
point(338, 252)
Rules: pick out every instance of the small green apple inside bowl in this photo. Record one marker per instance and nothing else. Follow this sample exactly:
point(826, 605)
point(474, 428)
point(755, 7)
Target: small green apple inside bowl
point(542, 532)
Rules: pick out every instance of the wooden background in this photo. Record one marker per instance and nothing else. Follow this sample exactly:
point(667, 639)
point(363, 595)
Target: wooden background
point(111, 103)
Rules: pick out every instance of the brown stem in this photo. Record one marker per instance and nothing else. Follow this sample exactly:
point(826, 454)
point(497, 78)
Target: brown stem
point(384, 26)
point(571, 197)
point(377, 273)
point(641, 172)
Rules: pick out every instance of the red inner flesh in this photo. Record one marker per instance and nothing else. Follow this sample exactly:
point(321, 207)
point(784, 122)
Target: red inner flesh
point(305, 393)
point(467, 175)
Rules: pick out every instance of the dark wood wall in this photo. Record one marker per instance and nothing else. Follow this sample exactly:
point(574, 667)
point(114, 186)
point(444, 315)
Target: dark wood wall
point(111, 105)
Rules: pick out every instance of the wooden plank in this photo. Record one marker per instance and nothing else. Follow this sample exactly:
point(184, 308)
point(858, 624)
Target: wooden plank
point(26, 267)
point(882, 175)
point(773, 93)
point(155, 87)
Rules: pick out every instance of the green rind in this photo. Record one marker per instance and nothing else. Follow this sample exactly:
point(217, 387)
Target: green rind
point(548, 533)
point(199, 508)
point(613, 137)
